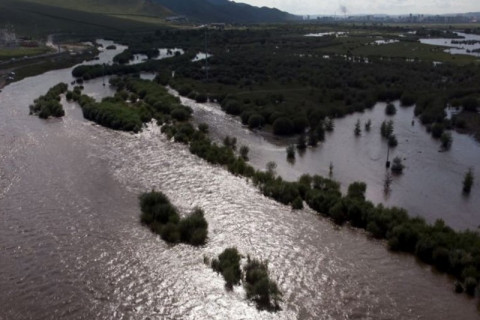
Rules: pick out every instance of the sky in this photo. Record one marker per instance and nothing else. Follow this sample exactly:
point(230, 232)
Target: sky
point(331, 7)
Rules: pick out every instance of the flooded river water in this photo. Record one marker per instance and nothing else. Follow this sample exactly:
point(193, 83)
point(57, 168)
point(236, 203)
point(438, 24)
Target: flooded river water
point(431, 185)
point(72, 247)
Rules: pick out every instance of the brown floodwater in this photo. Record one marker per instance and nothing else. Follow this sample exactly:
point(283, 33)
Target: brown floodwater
point(72, 247)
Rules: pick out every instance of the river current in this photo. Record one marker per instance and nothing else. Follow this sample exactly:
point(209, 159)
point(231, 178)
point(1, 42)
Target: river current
point(72, 246)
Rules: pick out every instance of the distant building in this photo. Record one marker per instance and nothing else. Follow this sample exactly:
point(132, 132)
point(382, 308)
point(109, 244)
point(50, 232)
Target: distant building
point(177, 19)
point(7, 38)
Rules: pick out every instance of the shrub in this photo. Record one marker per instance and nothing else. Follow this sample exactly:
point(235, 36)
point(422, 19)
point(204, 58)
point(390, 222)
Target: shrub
point(259, 287)
point(390, 110)
point(180, 114)
point(162, 218)
point(244, 152)
point(228, 264)
point(203, 127)
point(193, 229)
point(49, 105)
point(297, 204)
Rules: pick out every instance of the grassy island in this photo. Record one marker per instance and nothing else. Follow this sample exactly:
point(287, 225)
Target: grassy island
point(162, 217)
point(255, 277)
point(49, 105)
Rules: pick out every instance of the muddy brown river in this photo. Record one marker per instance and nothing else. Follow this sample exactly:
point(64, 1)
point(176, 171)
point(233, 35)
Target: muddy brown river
point(72, 247)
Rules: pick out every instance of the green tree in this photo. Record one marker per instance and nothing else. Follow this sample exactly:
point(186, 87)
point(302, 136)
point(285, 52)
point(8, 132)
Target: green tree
point(228, 264)
point(390, 110)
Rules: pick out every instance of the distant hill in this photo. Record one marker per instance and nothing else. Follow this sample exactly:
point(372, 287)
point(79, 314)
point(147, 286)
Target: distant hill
point(224, 11)
point(110, 7)
point(42, 17)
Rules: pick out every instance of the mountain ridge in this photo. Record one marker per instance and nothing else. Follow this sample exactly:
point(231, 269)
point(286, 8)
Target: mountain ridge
point(225, 11)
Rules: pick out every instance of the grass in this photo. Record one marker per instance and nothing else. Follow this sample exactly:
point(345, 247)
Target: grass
point(9, 53)
point(413, 50)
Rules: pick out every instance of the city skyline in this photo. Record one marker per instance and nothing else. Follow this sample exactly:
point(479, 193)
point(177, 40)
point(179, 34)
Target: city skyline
point(351, 7)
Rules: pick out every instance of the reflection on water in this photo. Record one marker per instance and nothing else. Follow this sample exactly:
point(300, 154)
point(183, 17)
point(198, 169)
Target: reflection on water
point(72, 247)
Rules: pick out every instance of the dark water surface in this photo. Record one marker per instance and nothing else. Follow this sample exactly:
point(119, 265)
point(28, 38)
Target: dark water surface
point(72, 247)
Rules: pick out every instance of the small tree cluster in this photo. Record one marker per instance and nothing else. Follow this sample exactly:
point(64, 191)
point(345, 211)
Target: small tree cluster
point(163, 218)
point(228, 264)
point(49, 105)
point(259, 287)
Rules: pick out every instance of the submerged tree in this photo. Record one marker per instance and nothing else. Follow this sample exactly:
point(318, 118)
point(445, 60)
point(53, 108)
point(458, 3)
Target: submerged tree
point(390, 110)
point(392, 141)
point(302, 142)
point(368, 125)
point(386, 129)
point(357, 130)
point(329, 124)
point(397, 165)
point(271, 167)
point(446, 139)
point(312, 138)
point(244, 150)
point(259, 287)
point(230, 142)
point(468, 181)
point(291, 152)
point(228, 264)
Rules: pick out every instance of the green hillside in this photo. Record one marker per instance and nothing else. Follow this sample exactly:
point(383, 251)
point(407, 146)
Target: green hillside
point(111, 7)
point(37, 18)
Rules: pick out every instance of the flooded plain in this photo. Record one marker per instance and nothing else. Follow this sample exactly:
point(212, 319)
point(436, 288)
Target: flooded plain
point(468, 44)
point(72, 247)
point(430, 187)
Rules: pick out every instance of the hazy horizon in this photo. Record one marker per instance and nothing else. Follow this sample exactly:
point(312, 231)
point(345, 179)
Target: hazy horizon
point(355, 7)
